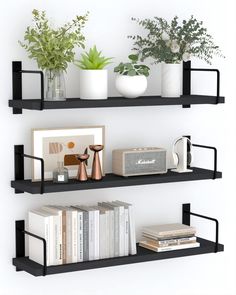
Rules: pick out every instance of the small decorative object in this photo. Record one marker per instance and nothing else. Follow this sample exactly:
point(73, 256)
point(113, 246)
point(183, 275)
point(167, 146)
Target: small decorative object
point(53, 49)
point(139, 161)
point(170, 44)
point(82, 173)
point(61, 145)
point(96, 168)
point(131, 81)
point(60, 174)
point(93, 76)
point(182, 154)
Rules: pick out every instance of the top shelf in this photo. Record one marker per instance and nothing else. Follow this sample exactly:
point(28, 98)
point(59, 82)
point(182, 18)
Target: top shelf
point(186, 100)
point(74, 103)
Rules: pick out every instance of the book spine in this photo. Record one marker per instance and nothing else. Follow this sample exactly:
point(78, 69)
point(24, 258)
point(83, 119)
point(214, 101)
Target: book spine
point(80, 236)
point(74, 236)
point(102, 236)
point(171, 248)
point(68, 237)
point(85, 236)
point(91, 235)
point(63, 236)
point(121, 231)
point(96, 234)
point(57, 240)
point(107, 225)
point(116, 231)
point(112, 234)
point(126, 231)
point(52, 250)
point(132, 234)
point(164, 243)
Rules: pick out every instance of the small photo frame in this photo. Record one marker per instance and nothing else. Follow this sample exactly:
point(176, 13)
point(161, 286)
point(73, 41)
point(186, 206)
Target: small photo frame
point(62, 145)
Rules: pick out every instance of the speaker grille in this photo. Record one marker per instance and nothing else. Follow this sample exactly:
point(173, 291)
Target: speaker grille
point(145, 162)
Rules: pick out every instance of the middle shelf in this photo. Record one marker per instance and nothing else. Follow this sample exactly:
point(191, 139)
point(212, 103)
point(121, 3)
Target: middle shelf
point(112, 180)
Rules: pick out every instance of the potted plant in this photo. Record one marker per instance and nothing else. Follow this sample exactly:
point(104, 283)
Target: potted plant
point(170, 44)
point(53, 49)
point(131, 81)
point(93, 76)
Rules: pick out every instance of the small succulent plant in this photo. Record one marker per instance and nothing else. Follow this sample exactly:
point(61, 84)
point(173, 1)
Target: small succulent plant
point(93, 60)
point(132, 68)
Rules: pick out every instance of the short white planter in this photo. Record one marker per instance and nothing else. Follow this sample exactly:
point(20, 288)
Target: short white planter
point(131, 86)
point(93, 84)
point(171, 78)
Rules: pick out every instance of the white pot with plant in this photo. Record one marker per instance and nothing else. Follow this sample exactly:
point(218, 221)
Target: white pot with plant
point(170, 44)
point(53, 49)
point(93, 76)
point(131, 81)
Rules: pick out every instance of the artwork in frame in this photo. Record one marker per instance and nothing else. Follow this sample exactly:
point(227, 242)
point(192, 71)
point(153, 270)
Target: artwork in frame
point(63, 145)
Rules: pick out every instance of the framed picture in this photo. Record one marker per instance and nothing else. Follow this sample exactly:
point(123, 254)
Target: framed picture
point(62, 145)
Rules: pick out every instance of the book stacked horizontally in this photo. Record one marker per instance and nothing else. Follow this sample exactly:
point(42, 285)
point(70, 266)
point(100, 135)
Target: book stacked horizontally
point(81, 233)
point(169, 237)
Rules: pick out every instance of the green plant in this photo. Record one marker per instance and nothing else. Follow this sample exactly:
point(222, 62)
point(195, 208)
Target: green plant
point(132, 68)
point(93, 60)
point(53, 48)
point(174, 42)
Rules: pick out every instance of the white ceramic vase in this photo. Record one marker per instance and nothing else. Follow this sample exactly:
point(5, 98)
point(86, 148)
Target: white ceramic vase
point(93, 84)
point(171, 78)
point(131, 86)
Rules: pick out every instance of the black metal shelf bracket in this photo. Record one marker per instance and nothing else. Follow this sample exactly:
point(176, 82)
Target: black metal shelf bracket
point(187, 79)
point(20, 243)
point(19, 166)
point(17, 84)
point(186, 213)
point(215, 156)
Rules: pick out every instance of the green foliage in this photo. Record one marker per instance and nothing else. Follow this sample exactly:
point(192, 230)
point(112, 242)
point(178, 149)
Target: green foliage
point(53, 48)
point(93, 60)
point(132, 68)
point(174, 42)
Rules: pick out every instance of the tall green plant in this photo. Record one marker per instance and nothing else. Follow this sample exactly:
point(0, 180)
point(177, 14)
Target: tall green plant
point(174, 42)
point(53, 48)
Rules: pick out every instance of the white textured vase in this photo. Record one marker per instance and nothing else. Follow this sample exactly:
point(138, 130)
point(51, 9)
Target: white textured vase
point(171, 78)
point(93, 84)
point(131, 86)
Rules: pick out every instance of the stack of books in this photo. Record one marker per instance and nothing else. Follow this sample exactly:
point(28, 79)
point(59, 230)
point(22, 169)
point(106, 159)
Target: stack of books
point(169, 237)
point(81, 233)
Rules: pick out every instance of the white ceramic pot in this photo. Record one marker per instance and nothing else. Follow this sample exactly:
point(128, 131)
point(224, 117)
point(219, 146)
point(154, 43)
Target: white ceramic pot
point(93, 84)
point(171, 78)
point(131, 86)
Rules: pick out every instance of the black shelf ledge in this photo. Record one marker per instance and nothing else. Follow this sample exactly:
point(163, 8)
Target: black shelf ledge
point(186, 100)
point(112, 180)
point(111, 102)
point(23, 263)
point(143, 255)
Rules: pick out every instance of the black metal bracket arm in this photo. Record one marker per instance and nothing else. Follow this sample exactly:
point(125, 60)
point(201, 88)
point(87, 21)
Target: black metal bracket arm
point(17, 84)
point(215, 156)
point(186, 213)
point(19, 166)
point(187, 79)
point(20, 243)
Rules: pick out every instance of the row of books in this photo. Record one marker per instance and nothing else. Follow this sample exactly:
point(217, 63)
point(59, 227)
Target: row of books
point(169, 237)
point(81, 233)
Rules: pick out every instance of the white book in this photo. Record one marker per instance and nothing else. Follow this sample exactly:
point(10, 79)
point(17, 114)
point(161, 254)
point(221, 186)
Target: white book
point(74, 234)
point(132, 233)
point(122, 228)
point(57, 236)
point(40, 224)
point(96, 233)
point(146, 245)
point(68, 235)
point(80, 236)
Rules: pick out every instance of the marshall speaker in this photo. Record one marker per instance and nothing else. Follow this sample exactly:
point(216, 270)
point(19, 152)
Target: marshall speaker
point(139, 161)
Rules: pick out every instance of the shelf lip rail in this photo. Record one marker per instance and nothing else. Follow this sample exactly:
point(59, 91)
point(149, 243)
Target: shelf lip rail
point(186, 220)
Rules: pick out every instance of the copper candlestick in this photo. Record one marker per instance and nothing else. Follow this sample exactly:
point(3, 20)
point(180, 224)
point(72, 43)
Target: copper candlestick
point(96, 167)
point(82, 173)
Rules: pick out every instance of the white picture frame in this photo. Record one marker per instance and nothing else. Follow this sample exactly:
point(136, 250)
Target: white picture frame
point(79, 138)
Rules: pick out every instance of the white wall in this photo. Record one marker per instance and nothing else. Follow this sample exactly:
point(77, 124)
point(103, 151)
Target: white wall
point(108, 26)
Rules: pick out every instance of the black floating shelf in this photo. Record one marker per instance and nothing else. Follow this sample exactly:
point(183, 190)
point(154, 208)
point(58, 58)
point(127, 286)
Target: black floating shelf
point(143, 255)
point(76, 103)
point(111, 180)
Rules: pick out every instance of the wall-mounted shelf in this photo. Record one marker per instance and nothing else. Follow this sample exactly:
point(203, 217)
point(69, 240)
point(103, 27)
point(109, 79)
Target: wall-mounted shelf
point(143, 255)
point(188, 99)
point(20, 184)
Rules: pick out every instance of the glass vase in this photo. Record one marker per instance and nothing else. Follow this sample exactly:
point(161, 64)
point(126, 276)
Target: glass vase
point(60, 174)
point(55, 85)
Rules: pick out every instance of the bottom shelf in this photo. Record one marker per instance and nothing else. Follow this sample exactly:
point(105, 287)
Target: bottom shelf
point(143, 255)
